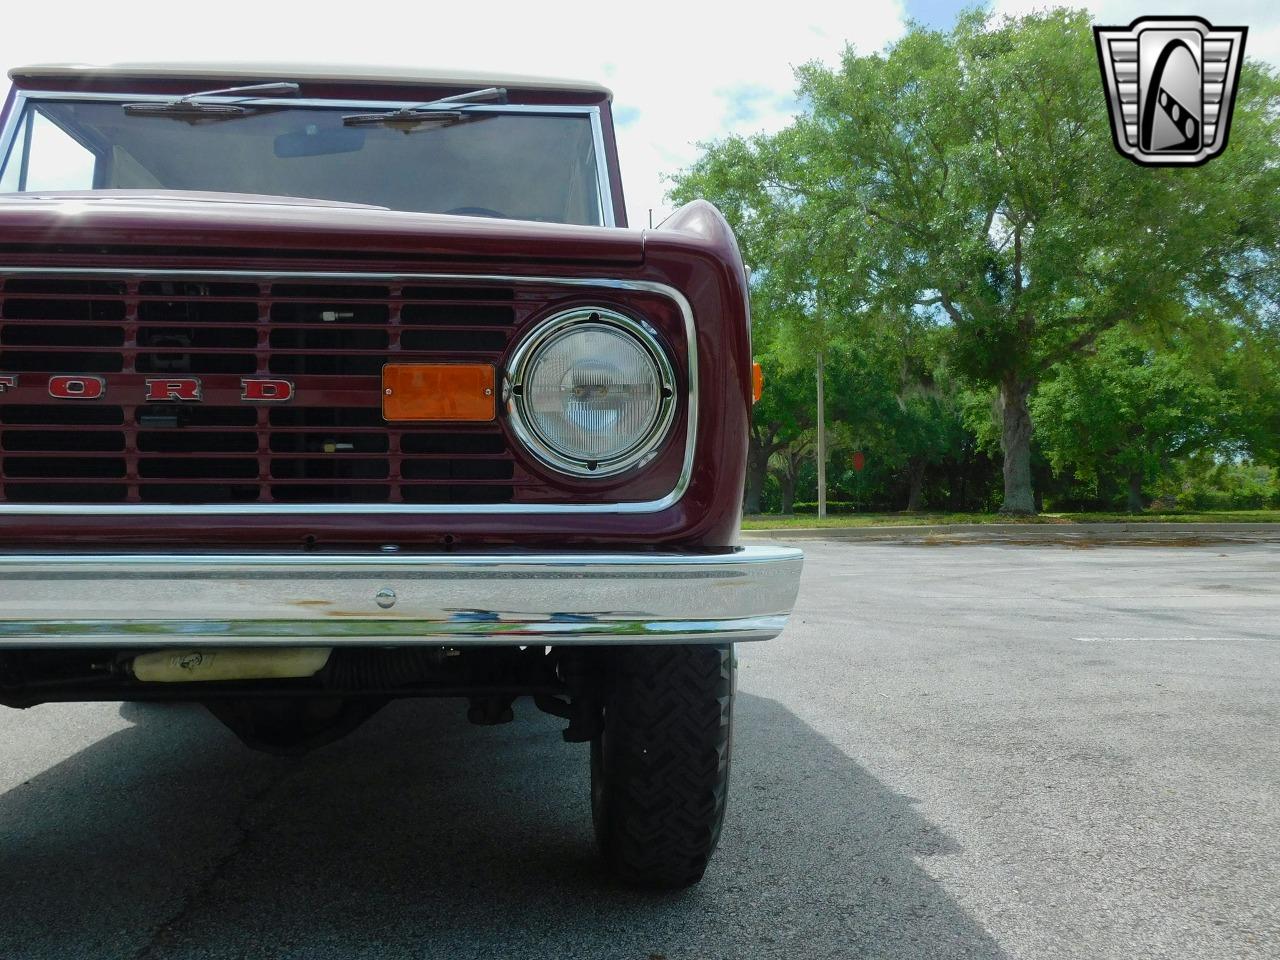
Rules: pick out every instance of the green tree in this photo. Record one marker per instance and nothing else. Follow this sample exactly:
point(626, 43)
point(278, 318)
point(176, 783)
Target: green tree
point(1130, 410)
point(970, 175)
point(750, 180)
point(879, 368)
point(1252, 357)
point(780, 423)
point(922, 425)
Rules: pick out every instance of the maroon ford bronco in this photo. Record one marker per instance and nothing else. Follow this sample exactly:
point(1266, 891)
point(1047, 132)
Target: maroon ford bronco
point(320, 388)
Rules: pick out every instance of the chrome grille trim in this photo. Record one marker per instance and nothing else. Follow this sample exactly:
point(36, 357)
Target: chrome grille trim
point(339, 509)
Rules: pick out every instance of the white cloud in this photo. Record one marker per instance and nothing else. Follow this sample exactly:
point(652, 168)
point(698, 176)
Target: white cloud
point(680, 72)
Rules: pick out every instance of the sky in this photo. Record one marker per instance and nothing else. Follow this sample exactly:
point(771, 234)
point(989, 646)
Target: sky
point(681, 73)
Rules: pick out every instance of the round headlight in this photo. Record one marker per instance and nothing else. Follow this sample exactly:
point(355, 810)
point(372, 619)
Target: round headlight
point(591, 392)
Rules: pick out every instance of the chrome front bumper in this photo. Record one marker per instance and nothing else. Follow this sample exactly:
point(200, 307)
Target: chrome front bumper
point(251, 599)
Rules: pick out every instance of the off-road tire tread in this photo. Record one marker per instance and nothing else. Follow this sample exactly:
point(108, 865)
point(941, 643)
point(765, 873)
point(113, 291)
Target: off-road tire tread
point(660, 771)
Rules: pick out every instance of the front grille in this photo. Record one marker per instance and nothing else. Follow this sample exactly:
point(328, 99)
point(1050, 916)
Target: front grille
point(329, 444)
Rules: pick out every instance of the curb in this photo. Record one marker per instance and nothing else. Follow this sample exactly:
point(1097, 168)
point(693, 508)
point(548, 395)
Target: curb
point(1186, 534)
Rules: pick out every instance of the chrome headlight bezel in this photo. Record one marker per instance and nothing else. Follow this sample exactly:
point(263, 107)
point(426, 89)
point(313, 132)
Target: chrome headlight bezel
point(524, 423)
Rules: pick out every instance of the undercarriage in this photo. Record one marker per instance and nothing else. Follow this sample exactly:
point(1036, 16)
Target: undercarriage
point(342, 687)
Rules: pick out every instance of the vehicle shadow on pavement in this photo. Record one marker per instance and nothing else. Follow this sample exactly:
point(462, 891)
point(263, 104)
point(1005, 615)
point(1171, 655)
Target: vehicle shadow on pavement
point(420, 835)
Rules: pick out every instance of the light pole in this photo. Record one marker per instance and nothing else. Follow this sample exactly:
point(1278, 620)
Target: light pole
point(822, 439)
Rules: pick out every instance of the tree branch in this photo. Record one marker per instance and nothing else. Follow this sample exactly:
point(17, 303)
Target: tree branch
point(949, 306)
point(1017, 262)
point(991, 218)
point(1079, 343)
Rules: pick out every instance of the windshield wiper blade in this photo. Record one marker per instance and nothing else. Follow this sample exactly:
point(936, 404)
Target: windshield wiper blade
point(437, 111)
point(194, 105)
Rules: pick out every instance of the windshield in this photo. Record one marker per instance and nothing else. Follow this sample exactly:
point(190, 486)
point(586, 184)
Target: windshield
point(485, 162)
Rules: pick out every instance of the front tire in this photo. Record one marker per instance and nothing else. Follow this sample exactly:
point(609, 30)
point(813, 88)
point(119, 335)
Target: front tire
point(660, 767)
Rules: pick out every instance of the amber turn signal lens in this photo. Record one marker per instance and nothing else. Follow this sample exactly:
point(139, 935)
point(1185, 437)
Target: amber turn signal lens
point(757, 383)
point(438, 391)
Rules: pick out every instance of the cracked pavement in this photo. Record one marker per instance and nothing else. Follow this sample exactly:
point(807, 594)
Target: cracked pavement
point(980, 751)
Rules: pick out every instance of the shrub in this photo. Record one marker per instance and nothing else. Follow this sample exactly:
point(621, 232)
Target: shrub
point(833, 506)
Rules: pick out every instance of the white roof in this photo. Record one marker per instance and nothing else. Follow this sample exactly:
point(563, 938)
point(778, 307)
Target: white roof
point(340, 73)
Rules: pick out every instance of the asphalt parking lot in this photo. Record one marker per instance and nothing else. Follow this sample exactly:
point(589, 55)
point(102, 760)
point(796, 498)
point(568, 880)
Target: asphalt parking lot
point(978, 751)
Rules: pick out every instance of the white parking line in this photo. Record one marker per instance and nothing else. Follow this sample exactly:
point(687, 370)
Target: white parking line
point(1175, 639)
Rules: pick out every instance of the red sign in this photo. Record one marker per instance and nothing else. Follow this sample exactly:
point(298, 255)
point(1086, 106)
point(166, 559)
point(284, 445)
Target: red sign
point(859, 461)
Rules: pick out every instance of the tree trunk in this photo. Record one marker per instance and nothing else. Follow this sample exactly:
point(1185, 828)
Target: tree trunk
point(787, 487)
point(915, 484)
point(1015, 442)
point(1135, 492)
point(757, 470)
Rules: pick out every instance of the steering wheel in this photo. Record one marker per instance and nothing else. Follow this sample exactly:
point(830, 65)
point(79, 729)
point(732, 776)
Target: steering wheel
point(475, 212)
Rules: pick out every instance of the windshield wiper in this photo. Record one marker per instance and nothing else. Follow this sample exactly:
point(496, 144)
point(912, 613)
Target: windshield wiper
point(193, 105)
point(434, 111)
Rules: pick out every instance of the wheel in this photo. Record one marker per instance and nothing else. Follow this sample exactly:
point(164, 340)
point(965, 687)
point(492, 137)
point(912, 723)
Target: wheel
point(660, 767)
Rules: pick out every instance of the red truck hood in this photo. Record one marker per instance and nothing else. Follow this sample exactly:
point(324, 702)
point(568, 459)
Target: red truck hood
point(247, 222)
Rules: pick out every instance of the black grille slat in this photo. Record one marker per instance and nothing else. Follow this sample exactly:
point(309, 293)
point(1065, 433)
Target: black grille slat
point(56, 441)
point(460, 493)
point(66, 492)
point(196, 362)
point(452, 341)
point(60, 334)
point(296, 342)
point(54, 467)
point(329, 468)
point(197, 493)
point(448, 314)
point(80, 310)
point(60, 360)
point(331, 492)
point(70, 415)
point(299, 364)
point(217, 338)
point(198, 289)
point(332, 443)
point(291, 290)
point(453, 444)
point(64, 288)
point(201, 417)
point(326, 417)
point(331, 314)
point(198, 312)
point(441, 469)
point(202, 441)
point(198, 467)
